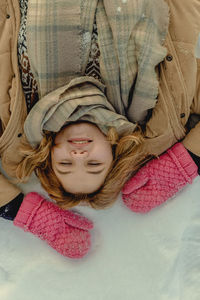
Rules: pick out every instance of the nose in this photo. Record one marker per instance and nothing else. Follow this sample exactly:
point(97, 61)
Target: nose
point(79, 153)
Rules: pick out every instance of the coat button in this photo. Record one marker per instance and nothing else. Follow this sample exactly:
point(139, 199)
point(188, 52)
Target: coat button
point(169, 57)
point(19, 135)
point(8, 17)
point(182, 115)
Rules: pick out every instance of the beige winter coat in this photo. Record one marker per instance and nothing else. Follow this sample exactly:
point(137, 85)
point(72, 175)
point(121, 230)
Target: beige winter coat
point(179, 91)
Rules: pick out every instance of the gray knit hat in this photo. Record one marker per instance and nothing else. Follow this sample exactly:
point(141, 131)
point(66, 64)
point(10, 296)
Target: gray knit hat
point(82, 99)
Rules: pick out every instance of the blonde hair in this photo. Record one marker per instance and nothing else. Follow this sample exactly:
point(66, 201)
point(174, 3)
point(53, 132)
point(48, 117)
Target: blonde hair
point(128, 157)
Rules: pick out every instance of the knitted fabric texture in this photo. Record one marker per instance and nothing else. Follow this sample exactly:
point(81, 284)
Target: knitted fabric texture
point(159, 180)
point(64, 230)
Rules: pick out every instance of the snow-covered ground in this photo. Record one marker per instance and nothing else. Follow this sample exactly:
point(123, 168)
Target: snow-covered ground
point(133, 257)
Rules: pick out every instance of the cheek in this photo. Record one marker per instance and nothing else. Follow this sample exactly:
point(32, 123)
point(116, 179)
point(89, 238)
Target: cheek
point(57, 153)
point(105, 152)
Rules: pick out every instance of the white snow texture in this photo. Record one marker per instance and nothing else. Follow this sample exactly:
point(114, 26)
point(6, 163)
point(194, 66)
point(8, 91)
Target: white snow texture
point(154, 256)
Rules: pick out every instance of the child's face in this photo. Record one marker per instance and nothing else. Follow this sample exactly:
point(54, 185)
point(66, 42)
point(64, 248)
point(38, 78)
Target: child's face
point(81, 157)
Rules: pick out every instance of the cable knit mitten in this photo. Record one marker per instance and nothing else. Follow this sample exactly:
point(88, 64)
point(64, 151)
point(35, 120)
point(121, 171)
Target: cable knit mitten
point(159, 179)
point(63, 230)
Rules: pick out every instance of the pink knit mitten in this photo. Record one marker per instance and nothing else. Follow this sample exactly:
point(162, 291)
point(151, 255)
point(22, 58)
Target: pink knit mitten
point(159, 179)
point(63, 230)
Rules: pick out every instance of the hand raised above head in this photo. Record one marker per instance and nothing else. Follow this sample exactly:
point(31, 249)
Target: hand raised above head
point(159, 179)
point(65, 231)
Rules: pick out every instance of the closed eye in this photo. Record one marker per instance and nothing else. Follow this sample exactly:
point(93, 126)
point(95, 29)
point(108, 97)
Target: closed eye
point(65, 163)
point(94, 164)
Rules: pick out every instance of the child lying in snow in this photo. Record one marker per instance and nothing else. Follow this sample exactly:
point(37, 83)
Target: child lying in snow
point(102, 113)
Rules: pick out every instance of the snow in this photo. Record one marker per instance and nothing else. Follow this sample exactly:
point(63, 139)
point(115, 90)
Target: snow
point(154, 256)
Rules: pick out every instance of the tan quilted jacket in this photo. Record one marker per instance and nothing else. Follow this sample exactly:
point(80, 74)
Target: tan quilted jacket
point(179, 90)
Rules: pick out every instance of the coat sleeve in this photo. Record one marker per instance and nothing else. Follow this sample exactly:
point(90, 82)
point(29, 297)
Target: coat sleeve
point(8, 191)
point(192, 139)
point(8, 25)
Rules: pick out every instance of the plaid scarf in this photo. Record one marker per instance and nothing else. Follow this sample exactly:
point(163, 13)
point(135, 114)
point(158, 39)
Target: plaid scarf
point(131, 35)
point(83, 99)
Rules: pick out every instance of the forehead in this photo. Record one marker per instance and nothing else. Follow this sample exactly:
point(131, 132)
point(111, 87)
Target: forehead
point(82, 182)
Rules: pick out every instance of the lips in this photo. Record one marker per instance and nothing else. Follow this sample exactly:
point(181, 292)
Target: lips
point(79, 141)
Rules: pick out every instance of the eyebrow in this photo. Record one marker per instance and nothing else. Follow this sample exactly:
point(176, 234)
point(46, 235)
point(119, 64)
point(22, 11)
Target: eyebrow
point(97, 172)
point(89, 172)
